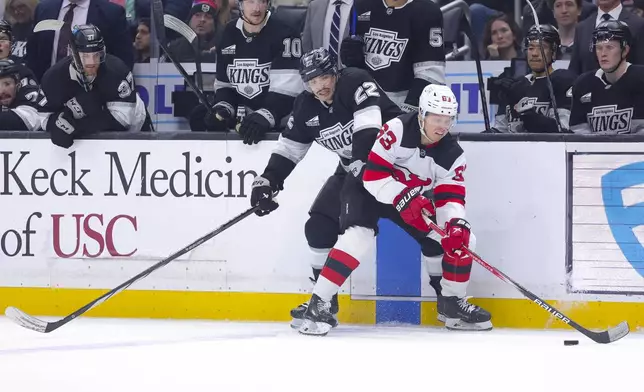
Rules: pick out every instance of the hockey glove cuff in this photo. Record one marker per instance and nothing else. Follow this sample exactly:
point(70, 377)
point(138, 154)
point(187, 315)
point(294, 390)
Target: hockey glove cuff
point(221, 119)
point(457, 236)
point(410, 204)
point(85, 104)
point(352, 52)
point(262, 196)
point(254, 127)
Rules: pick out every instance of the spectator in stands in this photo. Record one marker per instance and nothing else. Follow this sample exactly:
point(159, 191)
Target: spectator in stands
point(582, 59)
point(203, 20)
point(501, 39)
point(20, 13)
point(566, 13)
point(320, 26)
point(46, 48)
point(227, 11)
point(638, 8)
point(142, 49)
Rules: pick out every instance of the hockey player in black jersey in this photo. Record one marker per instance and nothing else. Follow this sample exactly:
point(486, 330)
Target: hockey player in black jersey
point(414, 153)
point(257, 62)
point(111, 102)
point(343, 113)
point(401, 46)
point(18, 104)
point(610, 100)
point(528, 105)
point(26, 76)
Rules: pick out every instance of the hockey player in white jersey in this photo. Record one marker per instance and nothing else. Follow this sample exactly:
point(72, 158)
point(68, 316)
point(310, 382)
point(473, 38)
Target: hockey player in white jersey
point(414, 153)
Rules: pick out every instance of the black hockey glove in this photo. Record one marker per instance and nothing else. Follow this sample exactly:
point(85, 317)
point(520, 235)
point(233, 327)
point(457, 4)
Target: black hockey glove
point(253, 128)
point(220, 120)
point(537, 123)
point(262, 196)
point(511, 90)
point(85, 104)
point(352, 52)
point(61, 127)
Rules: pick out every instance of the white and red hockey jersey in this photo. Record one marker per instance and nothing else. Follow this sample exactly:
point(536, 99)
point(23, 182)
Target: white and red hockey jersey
point(399, 161)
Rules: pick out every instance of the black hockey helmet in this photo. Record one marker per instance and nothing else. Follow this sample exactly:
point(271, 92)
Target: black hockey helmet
point(315, 63)
point(88, 39)
point(548, 33)
point(5, 28)
point(9, 68)
point(612, 30)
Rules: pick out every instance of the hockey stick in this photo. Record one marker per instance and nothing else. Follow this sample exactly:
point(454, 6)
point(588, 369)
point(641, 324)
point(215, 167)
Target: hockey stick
point(607, 336)
point(158, 20)
point(56, 25)
point(479, 73)
point(24, 320)
point(551, 91)
point(186, 32)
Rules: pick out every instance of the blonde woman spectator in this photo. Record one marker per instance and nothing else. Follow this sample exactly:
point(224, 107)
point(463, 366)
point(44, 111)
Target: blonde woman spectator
point(501, 39)
point(20, 13)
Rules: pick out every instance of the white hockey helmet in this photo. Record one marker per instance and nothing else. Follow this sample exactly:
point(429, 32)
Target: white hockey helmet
point(437, 99)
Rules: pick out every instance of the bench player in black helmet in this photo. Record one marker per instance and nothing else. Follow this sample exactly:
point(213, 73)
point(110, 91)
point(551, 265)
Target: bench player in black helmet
point(528, 105)
point(610, 100)
point(343, 113)
point(26, 76)
point(111, 102)
point(257, 62)
point(18, 103)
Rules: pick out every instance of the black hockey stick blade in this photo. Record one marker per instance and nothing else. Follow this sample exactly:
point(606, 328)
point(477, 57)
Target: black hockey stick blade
point(24, 320)
point(607, 336)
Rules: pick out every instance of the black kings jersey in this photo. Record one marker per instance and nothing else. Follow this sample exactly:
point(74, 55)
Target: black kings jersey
point(601, 108)
point(399, 161)
point(121, 108)
point(348, 127)
point(403, 46)
point(22, 113)
point(508, 117)
point(260, 71)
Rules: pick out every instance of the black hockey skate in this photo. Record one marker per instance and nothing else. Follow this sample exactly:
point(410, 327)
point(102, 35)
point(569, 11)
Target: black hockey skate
point(318, 319)
point(435, 282)
point(298, 312)
point(462, 315)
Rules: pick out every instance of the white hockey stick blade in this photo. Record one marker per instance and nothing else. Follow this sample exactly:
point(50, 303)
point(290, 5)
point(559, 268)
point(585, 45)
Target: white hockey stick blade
point(618, 332)
point(23, 319)
point(177, 25)
point(48, 25)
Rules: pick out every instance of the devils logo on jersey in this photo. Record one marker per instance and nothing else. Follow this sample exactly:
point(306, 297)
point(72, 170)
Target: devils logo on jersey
point(404, 175)
point(608, 119)
point(337, 139)
point(383, 47)
point(248, 76)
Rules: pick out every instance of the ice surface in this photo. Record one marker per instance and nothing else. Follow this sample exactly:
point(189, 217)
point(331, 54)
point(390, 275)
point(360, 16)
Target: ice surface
point(95, 355)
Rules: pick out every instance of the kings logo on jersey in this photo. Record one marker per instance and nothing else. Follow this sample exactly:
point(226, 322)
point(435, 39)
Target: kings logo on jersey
point(337, 138)
point(248, 76)
point(608, 119)
point(383, 47)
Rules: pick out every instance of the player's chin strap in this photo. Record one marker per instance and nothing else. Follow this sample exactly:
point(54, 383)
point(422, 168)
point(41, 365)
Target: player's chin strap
point(622, 58)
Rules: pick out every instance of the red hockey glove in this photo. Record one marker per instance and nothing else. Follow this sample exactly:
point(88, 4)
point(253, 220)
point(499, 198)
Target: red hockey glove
point(457, 232)
point(410, 204)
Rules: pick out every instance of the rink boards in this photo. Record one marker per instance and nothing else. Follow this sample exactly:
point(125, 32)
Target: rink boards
point(562, 219)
